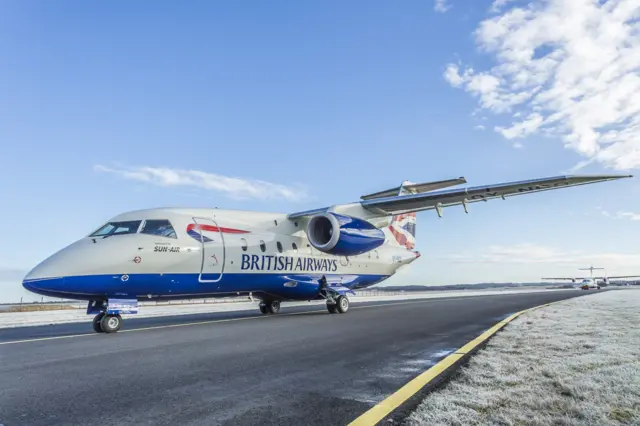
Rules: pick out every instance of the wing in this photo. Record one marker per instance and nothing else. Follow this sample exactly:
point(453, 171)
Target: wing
point(563, 278)
point(395, 205)
point(416, 188)
point(625, 276)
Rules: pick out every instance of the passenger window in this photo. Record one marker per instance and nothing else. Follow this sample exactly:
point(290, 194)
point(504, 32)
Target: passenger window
point(117, 228)
point(263, 246)
point(295, 247)
point(310, 250)
point(279, 245)
point(159, 227)
point(244, 244)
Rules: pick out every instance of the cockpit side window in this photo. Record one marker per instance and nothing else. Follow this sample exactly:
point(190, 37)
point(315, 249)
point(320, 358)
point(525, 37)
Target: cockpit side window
point(117, 228)
point(159, 227)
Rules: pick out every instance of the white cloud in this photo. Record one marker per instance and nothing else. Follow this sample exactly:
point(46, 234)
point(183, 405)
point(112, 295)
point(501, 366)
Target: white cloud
point(452, 75)
point(571, 67)
point(629, 215)
point(233, 187)
point(619, 214)
point(499, 4)
point(479, 127)
point(522, 129)
point(534, 253)
point(441, 6)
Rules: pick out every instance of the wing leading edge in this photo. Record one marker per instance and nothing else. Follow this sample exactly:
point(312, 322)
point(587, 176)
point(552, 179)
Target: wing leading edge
point(587, 278)
point(400, 204)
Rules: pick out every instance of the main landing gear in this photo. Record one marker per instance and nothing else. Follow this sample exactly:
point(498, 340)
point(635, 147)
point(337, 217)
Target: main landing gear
point(338, 305)
point(104, 323)
point(272, 307)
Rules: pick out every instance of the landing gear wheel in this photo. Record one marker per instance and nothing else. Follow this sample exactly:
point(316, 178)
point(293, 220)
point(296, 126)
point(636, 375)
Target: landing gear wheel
point(332, 308)
point(263, 308)
point(274, 307)
point(111, 323)
point(343, 304)
point(96, 323)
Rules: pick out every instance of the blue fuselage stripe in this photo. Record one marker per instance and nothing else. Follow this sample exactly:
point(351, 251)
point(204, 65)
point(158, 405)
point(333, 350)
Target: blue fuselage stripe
point(187, 286)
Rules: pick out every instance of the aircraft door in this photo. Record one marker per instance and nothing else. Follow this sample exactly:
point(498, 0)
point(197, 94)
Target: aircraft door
point(213, 250)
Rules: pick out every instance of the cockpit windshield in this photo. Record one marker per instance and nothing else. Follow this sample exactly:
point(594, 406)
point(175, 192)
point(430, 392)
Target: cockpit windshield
point(117, 228)
point(160, 227)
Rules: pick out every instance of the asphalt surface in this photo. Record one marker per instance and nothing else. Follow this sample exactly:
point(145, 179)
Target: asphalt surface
point(303, 366)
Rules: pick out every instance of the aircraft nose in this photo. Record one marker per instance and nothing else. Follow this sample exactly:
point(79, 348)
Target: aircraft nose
point(41, 280)
point(30, 286)
point(44, 286)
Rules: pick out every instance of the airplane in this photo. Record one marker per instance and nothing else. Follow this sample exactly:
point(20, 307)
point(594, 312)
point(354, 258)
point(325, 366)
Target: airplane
point(321, 254)
point(591, 282)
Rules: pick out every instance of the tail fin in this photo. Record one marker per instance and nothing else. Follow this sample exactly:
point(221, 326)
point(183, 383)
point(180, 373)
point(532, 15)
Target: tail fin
point(403, 227)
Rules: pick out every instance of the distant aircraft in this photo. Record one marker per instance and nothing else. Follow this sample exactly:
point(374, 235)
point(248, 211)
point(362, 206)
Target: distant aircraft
point(321, 254)
point(591, 281)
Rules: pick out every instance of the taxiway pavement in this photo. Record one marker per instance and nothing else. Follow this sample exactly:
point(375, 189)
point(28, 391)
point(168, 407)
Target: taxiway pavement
point(303, 366)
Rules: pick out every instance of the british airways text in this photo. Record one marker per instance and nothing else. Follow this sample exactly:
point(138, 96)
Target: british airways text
point(286, 263)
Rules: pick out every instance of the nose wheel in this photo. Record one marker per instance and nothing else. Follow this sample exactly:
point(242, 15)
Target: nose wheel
point(103, 323)
point(96, 323)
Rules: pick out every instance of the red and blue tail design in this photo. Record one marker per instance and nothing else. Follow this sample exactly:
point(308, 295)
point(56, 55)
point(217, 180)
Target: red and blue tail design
point(403, 227)
point(403, 230)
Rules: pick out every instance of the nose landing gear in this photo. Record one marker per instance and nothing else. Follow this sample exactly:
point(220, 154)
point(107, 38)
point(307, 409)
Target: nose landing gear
point(108, 319)
point(96, 323)
point(103, 323)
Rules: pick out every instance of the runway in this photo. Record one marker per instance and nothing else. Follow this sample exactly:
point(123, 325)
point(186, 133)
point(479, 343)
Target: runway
point(303, 366)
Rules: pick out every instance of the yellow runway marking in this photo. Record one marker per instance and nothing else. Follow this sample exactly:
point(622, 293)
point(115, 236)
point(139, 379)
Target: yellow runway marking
point(381, 410)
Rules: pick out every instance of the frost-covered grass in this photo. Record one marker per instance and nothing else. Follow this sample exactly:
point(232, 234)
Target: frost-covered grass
point(576, 362)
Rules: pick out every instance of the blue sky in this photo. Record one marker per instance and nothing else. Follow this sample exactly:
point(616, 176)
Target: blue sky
point(324, 101)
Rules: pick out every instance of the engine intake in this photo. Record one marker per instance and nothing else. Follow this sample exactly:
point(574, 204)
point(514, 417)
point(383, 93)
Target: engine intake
point(343, 235)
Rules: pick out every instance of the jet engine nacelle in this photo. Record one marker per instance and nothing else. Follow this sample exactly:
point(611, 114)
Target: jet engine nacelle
point(343, 235)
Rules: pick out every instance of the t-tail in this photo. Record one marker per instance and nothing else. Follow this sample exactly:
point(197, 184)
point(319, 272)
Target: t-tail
point(401, 228)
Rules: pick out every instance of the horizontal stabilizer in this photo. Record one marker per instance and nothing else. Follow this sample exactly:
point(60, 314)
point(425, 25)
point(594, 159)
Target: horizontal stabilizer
point(563, 278)
point(416, 188)
point(586, 278)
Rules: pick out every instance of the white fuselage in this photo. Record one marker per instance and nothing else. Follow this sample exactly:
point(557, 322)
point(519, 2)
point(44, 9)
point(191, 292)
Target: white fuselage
point(210, 253)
